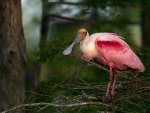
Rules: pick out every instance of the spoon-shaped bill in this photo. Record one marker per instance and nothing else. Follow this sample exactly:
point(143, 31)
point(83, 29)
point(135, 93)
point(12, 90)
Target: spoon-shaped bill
point(68, 50)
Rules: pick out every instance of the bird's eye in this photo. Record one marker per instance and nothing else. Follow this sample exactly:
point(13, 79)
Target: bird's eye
point(84, 33)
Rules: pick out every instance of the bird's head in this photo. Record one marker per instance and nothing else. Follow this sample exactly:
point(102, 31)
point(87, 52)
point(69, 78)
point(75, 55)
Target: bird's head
point(81, 35)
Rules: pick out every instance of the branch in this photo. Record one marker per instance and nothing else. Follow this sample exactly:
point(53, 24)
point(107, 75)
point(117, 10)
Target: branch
point(68, 3)
point(74, 19)
point(106, 69)
point(57, 105)
point(69, 18)
point(61, 17)
point(97, 4)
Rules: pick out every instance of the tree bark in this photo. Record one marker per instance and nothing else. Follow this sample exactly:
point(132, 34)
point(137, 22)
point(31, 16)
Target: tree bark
point(145, 22)
point(12, 59)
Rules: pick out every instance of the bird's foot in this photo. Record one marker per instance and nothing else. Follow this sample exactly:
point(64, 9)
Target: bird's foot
point(105, 99)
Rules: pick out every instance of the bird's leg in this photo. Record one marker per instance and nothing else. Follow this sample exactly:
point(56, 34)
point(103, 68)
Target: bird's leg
point(110, 79)
point(114, 83)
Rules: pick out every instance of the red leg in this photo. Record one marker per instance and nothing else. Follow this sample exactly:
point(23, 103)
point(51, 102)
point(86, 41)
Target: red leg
point(110, 79)
point(114, 83)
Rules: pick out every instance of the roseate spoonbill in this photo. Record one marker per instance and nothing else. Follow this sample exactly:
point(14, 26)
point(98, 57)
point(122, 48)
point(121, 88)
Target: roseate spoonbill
point(110, 51)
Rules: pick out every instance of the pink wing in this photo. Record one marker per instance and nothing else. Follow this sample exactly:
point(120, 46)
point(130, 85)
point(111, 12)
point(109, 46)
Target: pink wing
point(117, 51)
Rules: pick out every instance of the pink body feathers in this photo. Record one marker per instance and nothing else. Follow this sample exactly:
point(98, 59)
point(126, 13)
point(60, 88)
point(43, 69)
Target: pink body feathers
point(112, 49)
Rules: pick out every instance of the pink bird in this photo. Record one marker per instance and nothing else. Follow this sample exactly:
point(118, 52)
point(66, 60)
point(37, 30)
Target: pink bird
point(110, 51)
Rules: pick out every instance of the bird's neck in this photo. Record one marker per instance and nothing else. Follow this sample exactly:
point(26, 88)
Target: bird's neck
point(87, 47)
point(84, 42)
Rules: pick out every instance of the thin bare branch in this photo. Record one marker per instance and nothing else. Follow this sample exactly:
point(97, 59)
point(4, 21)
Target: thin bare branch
point(68, 3)
point(95, 4)
point(49, 16)
point(33, 92)
point(58, 105)
point(100, 66)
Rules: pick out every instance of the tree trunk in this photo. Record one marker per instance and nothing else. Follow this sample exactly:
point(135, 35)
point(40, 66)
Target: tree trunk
point(43, 36)
point(12, 50)
point(35, 68)
point(145, 22)
point(44, 23)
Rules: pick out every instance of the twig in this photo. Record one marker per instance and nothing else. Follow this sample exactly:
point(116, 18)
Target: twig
point(98, 65)
point(33, 92)
point(43, 108)
point(88, 96)
point(57, 105)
